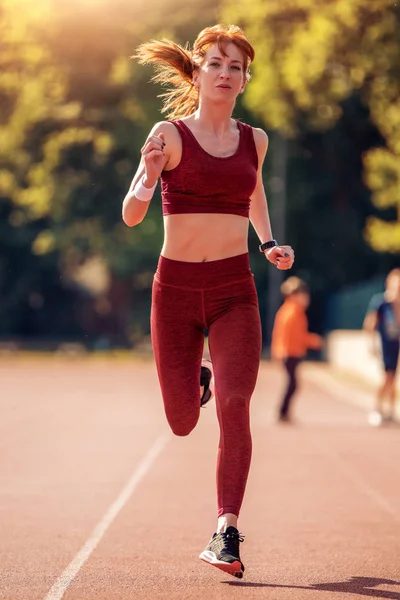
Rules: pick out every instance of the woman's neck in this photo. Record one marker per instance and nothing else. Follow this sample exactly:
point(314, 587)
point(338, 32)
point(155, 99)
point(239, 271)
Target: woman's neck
point(216, 119)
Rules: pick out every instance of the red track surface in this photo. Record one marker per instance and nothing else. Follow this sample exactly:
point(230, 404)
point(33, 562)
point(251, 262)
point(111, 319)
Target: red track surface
point(321, 516)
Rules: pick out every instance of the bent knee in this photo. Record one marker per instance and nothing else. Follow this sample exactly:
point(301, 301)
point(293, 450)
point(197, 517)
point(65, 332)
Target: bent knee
point(182, 429)
point(182, 424)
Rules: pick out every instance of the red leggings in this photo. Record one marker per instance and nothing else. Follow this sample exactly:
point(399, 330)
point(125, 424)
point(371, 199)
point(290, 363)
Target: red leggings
point(220, 296)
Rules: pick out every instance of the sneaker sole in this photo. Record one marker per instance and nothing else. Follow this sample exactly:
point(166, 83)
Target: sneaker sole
point(235, 568)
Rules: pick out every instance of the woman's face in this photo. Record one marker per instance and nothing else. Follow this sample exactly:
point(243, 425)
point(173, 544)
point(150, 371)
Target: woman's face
point(221, 78)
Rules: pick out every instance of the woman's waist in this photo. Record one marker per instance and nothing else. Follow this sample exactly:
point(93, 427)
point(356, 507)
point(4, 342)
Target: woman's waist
point(203, 238)
point(205, 274)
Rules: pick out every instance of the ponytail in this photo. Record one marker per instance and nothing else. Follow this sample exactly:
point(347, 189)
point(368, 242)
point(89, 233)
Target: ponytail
point(174, 68)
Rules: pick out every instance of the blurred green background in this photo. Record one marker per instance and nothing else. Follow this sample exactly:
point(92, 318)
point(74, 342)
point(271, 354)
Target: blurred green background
point(75, 110)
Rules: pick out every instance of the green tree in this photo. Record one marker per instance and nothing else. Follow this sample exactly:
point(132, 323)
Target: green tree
point(311, 57)
point(75, 112)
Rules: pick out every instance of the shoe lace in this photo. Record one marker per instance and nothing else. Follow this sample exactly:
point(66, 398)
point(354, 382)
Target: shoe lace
point(231, 541)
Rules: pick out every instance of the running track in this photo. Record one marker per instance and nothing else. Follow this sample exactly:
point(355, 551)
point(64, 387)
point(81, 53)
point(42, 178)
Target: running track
point(98, 501)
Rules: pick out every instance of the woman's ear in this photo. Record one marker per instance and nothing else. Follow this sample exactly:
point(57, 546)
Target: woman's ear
point(195, 75)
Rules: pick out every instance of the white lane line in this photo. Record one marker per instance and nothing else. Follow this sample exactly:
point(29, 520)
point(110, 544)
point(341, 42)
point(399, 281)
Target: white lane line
point(364, 486)
point(68, 575)
point(342, 391)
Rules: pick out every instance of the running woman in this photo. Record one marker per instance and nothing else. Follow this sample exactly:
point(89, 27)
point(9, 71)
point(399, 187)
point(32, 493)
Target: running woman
point(210, 167)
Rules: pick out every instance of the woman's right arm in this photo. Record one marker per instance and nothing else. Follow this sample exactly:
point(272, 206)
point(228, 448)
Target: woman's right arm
point(155, 156)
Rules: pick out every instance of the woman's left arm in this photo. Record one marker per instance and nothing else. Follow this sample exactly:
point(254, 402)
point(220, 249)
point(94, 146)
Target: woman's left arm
point(281, 256)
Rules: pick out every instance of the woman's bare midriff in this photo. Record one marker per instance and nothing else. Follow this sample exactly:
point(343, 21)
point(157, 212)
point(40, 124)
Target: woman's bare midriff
point(204, 237)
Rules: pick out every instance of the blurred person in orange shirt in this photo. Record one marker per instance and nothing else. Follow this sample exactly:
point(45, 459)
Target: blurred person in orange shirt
point(291, 338)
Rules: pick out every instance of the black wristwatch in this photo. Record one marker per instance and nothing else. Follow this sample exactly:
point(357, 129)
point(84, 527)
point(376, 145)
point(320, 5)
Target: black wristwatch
point(266, 245)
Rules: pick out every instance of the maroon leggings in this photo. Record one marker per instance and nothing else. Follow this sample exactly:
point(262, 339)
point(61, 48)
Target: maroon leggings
point(220, 296)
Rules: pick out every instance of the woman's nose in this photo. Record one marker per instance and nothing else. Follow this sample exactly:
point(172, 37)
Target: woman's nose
point(225, 71)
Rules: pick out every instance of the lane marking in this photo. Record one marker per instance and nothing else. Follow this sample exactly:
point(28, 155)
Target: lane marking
point(353, 397)
point(346, 393)
point(364, 486)
point(68, 575)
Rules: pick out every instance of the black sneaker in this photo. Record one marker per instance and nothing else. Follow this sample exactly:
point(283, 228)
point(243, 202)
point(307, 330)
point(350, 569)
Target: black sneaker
point(205, 381)
point(223, 552)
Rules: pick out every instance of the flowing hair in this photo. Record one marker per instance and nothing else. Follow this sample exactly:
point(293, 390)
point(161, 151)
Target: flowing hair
point(174, 65)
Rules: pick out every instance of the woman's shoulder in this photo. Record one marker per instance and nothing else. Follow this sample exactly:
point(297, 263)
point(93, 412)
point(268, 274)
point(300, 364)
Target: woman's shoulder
point(163, 127)
point(260, 137)
point(169, 131)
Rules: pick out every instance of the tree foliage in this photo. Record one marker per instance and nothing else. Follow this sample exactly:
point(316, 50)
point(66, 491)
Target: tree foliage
point(75, 111)
point(312, 55)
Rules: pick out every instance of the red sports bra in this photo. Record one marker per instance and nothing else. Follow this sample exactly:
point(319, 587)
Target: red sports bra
point(203, 183)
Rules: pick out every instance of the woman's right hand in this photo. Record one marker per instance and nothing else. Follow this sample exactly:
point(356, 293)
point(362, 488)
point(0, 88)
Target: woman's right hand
point(154, 159)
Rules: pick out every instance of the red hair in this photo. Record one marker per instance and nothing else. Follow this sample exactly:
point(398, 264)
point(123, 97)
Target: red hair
point(175, 65)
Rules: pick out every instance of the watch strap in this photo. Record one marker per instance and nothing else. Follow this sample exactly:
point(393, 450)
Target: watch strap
point(267, 245)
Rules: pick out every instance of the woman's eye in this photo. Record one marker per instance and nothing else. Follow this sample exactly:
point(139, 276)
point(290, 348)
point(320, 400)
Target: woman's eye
point(218, 65)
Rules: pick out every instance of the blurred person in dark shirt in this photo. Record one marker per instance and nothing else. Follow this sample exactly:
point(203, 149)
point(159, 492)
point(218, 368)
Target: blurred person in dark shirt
point(383, 316)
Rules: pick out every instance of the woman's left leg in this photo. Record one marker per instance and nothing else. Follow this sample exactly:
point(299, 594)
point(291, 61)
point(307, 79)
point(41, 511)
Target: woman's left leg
point(235, 348)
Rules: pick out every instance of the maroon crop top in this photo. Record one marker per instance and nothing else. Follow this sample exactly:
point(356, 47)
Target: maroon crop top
point(203, 183)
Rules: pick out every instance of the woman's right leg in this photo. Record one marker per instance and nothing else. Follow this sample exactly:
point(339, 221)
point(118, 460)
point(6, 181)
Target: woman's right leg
point(178, 337)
